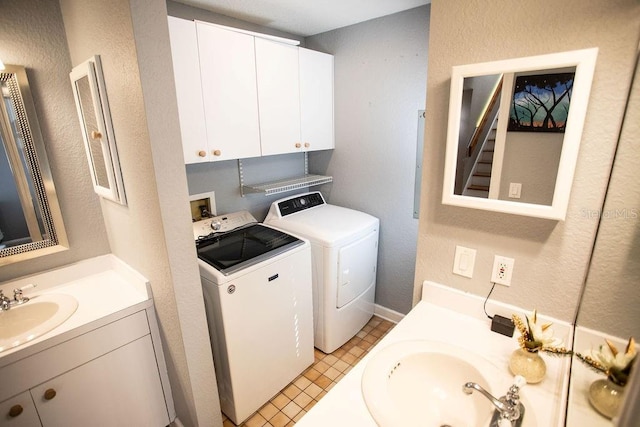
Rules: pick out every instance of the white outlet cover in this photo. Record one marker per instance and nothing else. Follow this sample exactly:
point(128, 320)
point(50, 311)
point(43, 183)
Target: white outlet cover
point(502, 270)
point(464, 261)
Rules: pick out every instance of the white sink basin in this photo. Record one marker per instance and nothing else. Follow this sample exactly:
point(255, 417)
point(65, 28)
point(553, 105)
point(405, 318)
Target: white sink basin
point(419, 383)
point(42, 313)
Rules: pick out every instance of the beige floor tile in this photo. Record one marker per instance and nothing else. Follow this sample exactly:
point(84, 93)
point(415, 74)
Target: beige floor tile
point(357, 351)
point(330, 359)
point(300, 415)
point(370, 339)
point(377, 332)
point(361, 334)
point(332, 373)
point(321, 395)
point(303, 399)
point(280, 420)
point(228, 423)
point(349, 358)
point(365, 345)
point(339, 352)
point(313, 391)
point(340, 365)
point(291, 410)
point(322, 382)
point(310, 405)
point(280, 401)
point(268, 411)
point(311, 374)
point(302, 382)
point(256, 421)
point(291, 391)
point(321, 366)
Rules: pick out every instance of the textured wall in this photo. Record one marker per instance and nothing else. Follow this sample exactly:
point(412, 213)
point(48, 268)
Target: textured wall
point(153, 233)
point(45, 56)
point(551, 258)
point(611, 298)
point(380, 73)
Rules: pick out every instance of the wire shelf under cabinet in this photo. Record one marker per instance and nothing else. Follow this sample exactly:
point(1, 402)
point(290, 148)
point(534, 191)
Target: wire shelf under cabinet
point(284, 185)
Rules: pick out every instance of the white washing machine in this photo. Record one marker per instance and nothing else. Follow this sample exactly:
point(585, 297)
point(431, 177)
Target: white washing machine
point(256, 283)
point(344, 249)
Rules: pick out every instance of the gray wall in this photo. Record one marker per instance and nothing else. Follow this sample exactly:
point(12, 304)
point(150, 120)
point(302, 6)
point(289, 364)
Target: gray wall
point(611, 297)
point(380, 73)
point(153, 232)
point(531, 159)
point(33, 36)
point(551, 257)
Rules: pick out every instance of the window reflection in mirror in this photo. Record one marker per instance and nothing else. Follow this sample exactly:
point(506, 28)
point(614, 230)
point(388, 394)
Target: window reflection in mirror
point(30, 219)
point(511, 134)
point(514, 133)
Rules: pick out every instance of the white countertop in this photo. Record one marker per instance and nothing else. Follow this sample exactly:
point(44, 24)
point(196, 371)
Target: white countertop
point(105, 288)
point(451, 316)
point(582, 413)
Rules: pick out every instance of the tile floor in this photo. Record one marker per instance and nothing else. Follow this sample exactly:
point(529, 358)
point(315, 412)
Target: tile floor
point(306, 390)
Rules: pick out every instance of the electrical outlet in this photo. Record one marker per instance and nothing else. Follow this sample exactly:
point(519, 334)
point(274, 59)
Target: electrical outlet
point(502, 270)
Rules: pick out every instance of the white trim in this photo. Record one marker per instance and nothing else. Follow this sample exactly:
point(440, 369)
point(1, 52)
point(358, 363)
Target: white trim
point(387, 313)
point(254, 34)
point(176, 423)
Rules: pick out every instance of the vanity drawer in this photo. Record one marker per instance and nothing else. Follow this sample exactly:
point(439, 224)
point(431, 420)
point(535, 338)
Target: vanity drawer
point(38, 368)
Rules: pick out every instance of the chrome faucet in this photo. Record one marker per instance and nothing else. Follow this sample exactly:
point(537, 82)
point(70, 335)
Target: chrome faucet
point(509, 411)
point(5, 303)
point(18, 298)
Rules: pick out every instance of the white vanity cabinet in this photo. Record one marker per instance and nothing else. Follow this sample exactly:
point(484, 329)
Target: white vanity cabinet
point(107, 376)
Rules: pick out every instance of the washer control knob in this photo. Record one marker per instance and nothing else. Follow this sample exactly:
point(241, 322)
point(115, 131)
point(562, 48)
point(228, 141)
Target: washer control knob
point(303, 201)
point(215, 225)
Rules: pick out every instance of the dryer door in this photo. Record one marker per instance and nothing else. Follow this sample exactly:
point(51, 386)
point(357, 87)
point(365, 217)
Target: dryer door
point(357, 263)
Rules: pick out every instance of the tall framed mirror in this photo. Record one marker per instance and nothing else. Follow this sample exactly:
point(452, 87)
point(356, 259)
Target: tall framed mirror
point(31, 223)
point(514, 133)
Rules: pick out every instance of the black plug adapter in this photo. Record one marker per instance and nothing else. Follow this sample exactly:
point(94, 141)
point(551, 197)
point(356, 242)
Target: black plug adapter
point(502, 325)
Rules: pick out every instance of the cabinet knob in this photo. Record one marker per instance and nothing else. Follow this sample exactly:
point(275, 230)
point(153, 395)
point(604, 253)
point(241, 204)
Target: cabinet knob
point(298, 145)
point(15, 411)
point(217, 152)
point(307, 145)
point(96, 134)
point(49, 394)
point(202, 153)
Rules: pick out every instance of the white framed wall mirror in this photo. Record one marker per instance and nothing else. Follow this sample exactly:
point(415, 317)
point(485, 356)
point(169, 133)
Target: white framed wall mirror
point(514, 133)
point(31, 222)
point(90, 95)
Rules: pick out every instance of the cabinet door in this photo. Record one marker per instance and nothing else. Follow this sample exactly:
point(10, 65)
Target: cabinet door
point(228, 72)
point(186, 71)
point(117, 389)
point(316, 100)
point(278, 97)
point(19, 411)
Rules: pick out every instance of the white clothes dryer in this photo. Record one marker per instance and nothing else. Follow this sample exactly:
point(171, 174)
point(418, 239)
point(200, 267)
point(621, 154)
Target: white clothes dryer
point(344, 250)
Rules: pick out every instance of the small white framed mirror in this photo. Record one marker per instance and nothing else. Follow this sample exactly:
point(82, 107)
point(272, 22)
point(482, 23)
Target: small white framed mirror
point(97, 130)
point(514, 133)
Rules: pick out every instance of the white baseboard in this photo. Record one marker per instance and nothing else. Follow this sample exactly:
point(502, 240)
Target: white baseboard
point(387, 314)
point(176, 423)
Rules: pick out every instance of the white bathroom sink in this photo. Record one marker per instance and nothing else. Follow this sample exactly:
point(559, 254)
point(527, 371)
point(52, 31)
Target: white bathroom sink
point(42, 313)
point(419, 383)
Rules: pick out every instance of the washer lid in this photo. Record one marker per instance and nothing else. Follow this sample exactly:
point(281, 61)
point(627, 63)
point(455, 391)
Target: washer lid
point(235, 250)
point(328, 224)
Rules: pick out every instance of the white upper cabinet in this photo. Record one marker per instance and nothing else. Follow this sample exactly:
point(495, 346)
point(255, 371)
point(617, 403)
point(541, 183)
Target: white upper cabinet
point(228, 71)
point(241, 95)
point(186, 70)
point(316, 100)
point(278, 97)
